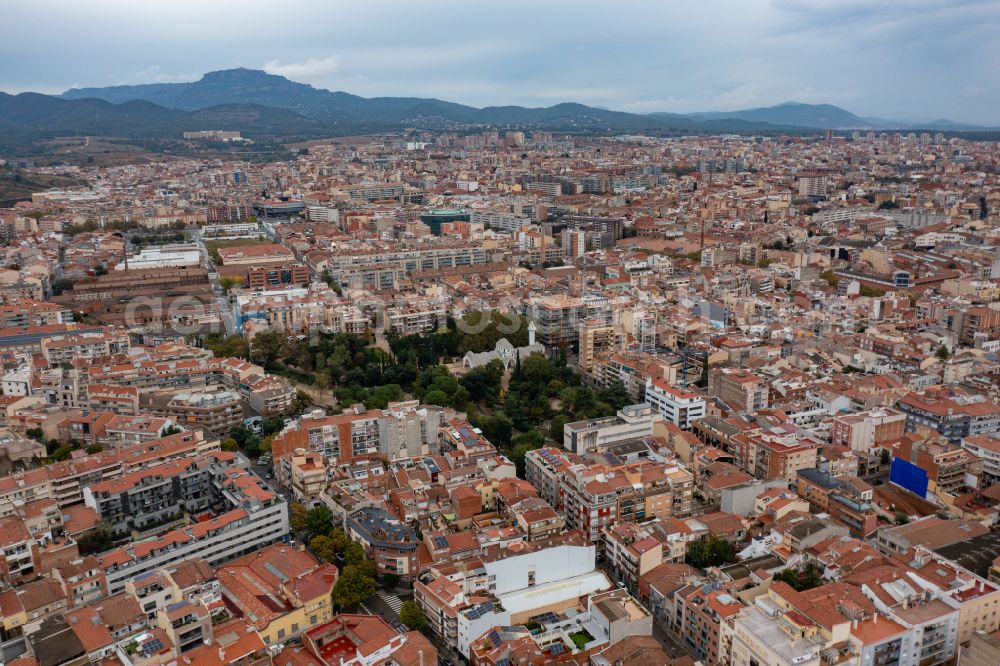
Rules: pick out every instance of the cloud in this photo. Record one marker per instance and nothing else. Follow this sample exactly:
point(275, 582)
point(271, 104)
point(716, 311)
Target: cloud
point(887, 58)
point(155, 74)
point(307, 70)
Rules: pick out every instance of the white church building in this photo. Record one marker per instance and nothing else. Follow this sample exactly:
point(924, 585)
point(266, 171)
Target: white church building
point(505, 352)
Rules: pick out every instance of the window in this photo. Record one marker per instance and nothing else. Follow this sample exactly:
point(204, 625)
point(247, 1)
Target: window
point(281, 634)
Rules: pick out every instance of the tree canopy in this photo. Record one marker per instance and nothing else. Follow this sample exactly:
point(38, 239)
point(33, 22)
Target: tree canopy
point(412, 616)
point(802, 579)
point(710, 551)
point(353, 587)
point(319, 520)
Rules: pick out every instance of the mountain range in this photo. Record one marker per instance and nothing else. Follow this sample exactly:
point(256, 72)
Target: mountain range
point(263, 105)
point(351, 112)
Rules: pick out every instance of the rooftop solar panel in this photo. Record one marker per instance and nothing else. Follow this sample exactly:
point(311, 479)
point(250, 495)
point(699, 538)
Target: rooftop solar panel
point(152, 646)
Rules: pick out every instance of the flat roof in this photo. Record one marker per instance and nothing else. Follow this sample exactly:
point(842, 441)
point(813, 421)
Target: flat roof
point(975, 554)
point(543, 596)
point(769, 632)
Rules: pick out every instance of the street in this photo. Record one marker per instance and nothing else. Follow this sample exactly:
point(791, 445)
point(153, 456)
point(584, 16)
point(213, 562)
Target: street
point(673, 647)
point(225, 309)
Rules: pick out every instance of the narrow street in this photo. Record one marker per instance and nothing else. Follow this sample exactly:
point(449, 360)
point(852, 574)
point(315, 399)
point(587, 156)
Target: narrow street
point(225, 309)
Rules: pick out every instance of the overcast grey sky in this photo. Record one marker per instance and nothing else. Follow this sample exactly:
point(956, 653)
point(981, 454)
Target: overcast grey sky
point(903, 59)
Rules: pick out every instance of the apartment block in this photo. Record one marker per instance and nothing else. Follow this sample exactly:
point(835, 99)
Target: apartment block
point(631, 422)
point(591, 497)
point(866, 430)
point(745, 391)
point(255, 517)
point(679, 406)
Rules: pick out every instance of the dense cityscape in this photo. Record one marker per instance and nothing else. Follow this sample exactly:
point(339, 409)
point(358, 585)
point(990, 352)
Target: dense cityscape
point(507, 397)
point(468, 334)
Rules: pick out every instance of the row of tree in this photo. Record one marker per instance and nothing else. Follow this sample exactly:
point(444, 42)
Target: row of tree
point(356, 581)
point(357, 576)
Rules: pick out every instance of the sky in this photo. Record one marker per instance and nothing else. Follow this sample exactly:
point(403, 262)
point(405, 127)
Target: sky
point(898, 59)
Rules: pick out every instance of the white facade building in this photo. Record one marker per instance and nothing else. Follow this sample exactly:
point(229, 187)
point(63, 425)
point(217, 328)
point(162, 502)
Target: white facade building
point(677, 405)
point(632, 422)
point(166, 256)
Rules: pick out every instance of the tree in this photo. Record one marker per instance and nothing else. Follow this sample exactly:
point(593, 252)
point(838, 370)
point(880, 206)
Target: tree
point(787, 576)
point(241, 435)
point(436, 398)
point(412, 616)
point(229, 444)
point(615, 395)
point(62, 452)
point(498, 429)
point(322, 547)
point(942, 353)
point(556, 427)
point(234, 345)
point(61, 285)
point(353, 587)
point(319, 520)
point(710, 551)
point(246, 439)
point(523, 443)
point(228, 283)
point(354, 554)
point(267, 347)
point(367, 567)
point(379, 398)
point(327, 277)
point(297, 516)
point(804, 579)
point(95, 541)
point(339, 539)
point(483, 383)
point(273, 424)
point(303, 401)
point(810, 576)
